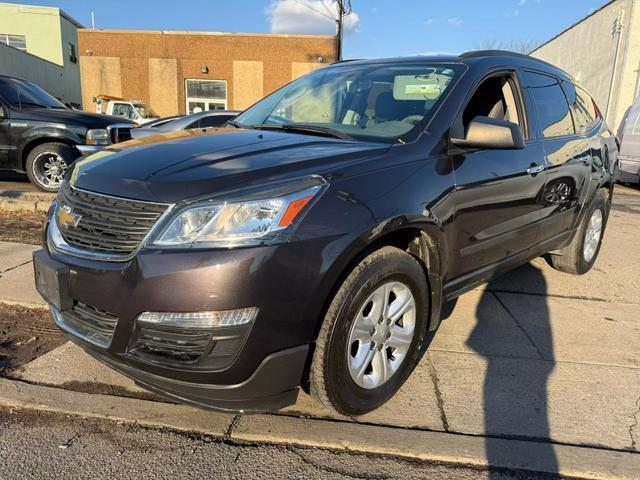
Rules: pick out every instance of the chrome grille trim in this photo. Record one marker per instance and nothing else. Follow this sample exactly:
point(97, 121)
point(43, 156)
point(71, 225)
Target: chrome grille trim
point(89, 323)
point(111, 228)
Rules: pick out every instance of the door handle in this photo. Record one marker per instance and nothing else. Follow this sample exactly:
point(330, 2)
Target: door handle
point(535, 169)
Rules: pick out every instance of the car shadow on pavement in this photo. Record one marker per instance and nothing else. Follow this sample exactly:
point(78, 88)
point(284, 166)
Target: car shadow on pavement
point(515, 393)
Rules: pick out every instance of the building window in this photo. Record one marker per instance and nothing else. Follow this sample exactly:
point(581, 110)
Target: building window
point(72, 53)
point(204, 95)
point(15, 41)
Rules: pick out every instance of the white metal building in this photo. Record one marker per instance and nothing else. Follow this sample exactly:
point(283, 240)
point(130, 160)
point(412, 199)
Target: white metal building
point(602, 51)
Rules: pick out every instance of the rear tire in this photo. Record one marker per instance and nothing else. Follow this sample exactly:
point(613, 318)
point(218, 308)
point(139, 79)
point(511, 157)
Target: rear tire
point(371, 334)
point(47, 163)
point(580, 255)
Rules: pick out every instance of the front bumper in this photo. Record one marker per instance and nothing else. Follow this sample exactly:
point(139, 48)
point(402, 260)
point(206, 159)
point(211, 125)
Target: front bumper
point(273, 385)
point(628, 170)
point(84, 149)
point(267, 369)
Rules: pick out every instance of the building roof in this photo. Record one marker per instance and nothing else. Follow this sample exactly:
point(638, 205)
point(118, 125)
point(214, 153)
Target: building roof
point(187, 32)
point(56, 10)
point(594, 12)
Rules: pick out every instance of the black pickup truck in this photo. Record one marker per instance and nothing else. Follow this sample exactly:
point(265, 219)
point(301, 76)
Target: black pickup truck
point(42, 137)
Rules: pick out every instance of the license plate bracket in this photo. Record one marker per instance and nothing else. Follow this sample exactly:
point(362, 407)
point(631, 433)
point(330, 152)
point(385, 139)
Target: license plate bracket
point(52, 280)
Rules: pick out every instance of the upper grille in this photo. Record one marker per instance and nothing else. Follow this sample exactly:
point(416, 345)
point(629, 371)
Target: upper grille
point(92, 324)
point(106, 225)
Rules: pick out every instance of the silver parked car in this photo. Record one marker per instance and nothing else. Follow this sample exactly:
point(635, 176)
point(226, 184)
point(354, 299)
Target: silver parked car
point(210, 118)
point(629, 137)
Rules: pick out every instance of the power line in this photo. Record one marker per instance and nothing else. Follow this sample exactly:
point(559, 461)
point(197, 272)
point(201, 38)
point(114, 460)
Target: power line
point(300, 2)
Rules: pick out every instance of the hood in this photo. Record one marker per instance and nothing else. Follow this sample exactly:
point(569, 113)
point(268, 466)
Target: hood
point(143, 131)
point(187, 164)
point(71, 117)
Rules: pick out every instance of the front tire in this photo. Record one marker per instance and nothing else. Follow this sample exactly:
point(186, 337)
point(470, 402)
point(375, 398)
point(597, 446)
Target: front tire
point(371, 335)
point(47, 163)
point(580, 255)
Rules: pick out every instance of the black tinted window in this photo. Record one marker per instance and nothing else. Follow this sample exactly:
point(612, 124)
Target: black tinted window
point(585, 114)
point(551, 104)
point(215, 121)
point(23, 94)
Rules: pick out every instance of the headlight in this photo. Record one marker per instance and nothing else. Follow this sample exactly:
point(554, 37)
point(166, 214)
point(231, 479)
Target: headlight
point(261, 217)
point(98, 136)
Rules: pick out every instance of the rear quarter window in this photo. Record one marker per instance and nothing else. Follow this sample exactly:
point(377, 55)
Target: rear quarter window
point(585, 113)
point(550, 103)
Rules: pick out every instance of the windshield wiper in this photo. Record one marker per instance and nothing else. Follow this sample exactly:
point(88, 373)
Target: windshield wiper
point(299, 127)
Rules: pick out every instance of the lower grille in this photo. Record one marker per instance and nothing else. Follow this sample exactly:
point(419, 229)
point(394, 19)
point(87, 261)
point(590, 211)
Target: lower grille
point(91, 324)
point(105, 224)
point(197, 348)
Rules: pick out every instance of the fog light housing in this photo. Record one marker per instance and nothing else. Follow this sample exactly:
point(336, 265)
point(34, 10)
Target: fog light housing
point(200, 320)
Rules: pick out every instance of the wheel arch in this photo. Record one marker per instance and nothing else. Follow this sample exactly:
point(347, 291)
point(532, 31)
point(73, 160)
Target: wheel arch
point(423, 242)
point(37, 141)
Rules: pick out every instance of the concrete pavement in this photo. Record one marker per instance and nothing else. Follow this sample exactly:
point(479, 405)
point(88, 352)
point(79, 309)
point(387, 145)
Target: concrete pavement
point(536, 355)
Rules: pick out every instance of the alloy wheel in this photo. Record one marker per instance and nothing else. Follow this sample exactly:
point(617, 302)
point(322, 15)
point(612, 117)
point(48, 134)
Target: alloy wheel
point(49, 168)
point(592, 236)
point(381, 335)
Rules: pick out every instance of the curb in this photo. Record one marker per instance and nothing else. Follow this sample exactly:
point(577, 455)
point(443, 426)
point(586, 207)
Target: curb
point(439, 447)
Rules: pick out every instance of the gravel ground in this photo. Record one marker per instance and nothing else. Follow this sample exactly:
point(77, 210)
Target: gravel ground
point(22, 227)
point(25, 334)
point(40, 445)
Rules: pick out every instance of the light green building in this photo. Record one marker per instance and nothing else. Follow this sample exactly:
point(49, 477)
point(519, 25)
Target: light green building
point(40, 44)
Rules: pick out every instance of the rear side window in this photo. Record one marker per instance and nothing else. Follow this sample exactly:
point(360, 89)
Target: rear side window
point(215, 120)
point(585, 113)
point(551, 104)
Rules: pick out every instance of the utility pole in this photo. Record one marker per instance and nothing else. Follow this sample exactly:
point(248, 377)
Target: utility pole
point(339, 20)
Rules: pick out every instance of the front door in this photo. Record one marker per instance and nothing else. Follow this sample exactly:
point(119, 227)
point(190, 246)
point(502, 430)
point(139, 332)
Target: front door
point(5, 138)
point(498, 192)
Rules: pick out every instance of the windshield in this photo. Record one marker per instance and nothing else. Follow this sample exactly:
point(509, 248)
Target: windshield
point(23, 94)
point(386, 103)
point(141, 110)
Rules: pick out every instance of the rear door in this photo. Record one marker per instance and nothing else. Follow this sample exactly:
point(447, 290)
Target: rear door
point(567, 153)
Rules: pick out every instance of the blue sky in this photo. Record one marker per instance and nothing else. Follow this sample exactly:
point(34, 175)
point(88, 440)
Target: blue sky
point(378, 28)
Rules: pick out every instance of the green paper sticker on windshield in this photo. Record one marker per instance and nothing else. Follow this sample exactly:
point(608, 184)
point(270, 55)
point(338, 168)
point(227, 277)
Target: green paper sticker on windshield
point(414, 87)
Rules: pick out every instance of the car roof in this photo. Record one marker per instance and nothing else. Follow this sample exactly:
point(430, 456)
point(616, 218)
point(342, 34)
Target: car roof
point(473, 59)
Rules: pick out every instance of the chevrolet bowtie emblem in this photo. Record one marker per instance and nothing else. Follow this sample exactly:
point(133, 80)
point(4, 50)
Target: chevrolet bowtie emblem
point(67, 218)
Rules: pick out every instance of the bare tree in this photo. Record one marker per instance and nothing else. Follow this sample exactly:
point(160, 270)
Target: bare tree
point(519, 46)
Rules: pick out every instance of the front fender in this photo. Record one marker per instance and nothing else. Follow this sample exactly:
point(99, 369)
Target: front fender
point(62, 133)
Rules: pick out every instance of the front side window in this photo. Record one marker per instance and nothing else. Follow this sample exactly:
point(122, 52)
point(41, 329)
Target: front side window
point(386, 103)
point(551, 104)
point(124, 110)
point(495, 98)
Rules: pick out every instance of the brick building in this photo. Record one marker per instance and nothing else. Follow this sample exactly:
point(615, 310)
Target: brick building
point(175, 72)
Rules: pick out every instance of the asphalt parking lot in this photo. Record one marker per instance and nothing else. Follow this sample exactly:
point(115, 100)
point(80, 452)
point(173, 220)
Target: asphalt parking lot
point(536, 355)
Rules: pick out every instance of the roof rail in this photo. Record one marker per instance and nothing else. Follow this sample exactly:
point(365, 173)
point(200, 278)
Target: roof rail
point(492, 53)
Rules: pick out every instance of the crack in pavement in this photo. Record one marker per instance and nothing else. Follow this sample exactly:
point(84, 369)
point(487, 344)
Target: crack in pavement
point(557, 295)
point(436, 387)
point(232, 426)
point(326, 469)
point(633, 426)
point(14, 267)
point(520, 327)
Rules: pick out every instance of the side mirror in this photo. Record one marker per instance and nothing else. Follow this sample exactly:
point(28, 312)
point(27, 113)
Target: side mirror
point(491, 133)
